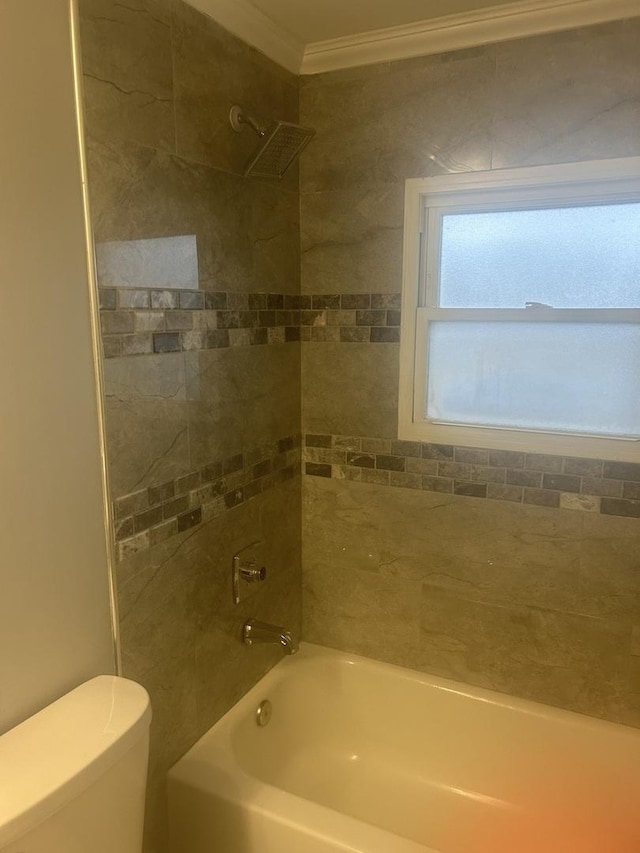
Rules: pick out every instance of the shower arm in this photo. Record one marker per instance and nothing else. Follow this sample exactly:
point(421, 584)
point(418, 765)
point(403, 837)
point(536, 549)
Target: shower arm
point(237, 118)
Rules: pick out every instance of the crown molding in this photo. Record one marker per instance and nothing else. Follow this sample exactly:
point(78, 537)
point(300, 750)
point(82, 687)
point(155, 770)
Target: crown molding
point(454, 32)
point(250, 24)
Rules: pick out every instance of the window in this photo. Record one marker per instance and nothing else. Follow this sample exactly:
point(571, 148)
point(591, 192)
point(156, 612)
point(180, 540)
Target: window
point(521, 309)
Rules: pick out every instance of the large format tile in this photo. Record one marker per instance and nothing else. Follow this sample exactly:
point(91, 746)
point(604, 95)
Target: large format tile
point(241, 398)
point(225, 667)
point(610, 569)
point(503, 591)
point(171, 686)
point(482, 550)
point(275, 238)
point(341, 524)
point(403, 120)
point(351, 240)
point(213, 71)
point(362, 612)
point(350, 389)
point(168, 414)
point(486, 550)
point(139, 193)
point(181, 632)
point(146, 421)
point(575, 662)
point(246, 232)
point(128, 74)
point(568, 96)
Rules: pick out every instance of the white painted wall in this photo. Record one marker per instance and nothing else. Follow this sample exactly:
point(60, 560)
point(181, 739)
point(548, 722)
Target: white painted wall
point(55, 620)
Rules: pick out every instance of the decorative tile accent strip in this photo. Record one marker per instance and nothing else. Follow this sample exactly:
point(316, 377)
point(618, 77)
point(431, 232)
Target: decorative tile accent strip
point(149, 516)
point(351, 318)
point(143, 321)
point(589, 485)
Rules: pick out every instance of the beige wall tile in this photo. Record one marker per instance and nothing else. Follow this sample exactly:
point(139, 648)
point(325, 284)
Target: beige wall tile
point(213, 71)
point(509, 599)
point(568, 96)
point(610, 568)
point(521, 579)
point(241, 398)
point(352, 389)
point(146, 420)
point(181, 632)
point(127, 67)
point(559, 658)
point(172, 413)
point(138, 193)
point(351, 239)
point(402, 120)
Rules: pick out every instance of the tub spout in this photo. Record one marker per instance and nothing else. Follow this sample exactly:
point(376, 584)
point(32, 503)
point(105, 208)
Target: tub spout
point(261, 632)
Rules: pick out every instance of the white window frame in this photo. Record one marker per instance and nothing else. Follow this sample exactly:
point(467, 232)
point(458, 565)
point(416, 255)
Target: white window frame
point(426, 201)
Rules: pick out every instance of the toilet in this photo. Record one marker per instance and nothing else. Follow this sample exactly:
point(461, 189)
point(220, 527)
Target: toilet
point(72, 777)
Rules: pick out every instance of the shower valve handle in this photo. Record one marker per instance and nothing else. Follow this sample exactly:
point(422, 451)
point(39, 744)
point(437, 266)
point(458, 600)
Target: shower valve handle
point(246, 569)
point(251, 572)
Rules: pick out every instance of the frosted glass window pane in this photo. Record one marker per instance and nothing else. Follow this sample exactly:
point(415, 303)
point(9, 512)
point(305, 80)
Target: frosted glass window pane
point(549, 376)
point(570, 257)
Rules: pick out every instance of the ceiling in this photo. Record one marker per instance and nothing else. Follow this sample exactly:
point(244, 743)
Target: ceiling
point(310, 36)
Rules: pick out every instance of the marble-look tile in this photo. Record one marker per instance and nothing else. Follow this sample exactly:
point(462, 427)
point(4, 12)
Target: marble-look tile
point(181, 631)
point(128, 73)
point(568, 96)
point(226, 668)
point(631, 711)
point(139, 193)
point(394, 643)
point(504, 603)
point(576, 662)
point(610, 568)
point(213, 71)
point(402, 120)
point(350, 390)
point(275, 236)
point(341, 525)
point(146, 421)
point(487, 551)
point(173, 707)
point(351, 240)
point(174, 728)
point(432, 536)
point(240, 398)
point(361, 612)
point(155, 589)
point(175, 599)
point(246, 233)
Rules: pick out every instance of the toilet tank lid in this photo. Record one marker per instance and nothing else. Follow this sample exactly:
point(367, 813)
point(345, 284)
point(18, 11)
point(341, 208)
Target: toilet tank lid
point(51, 757)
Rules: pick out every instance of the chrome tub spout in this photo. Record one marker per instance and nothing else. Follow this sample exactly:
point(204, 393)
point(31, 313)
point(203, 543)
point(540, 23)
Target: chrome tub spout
point(262, 632)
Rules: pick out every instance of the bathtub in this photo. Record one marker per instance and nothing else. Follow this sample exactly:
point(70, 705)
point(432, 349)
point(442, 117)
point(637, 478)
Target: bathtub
point(366, 757)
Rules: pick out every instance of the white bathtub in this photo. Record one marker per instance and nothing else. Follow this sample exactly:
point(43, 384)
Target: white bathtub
point(367, 757)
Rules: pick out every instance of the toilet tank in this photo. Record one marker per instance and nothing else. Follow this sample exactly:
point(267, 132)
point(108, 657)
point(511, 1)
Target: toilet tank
point(72, 777)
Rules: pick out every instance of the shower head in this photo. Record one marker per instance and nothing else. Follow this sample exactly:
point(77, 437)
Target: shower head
point(280, 145)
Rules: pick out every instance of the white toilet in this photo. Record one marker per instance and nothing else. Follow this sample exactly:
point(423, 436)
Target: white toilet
point(72, 777)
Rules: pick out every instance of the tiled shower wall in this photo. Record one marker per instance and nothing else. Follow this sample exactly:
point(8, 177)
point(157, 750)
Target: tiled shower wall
point(512, 571)
point(202, 374)
point(472, 567)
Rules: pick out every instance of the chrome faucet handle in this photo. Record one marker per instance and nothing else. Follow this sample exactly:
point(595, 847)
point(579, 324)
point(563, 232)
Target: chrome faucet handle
point(251, 572)
point(246, 569)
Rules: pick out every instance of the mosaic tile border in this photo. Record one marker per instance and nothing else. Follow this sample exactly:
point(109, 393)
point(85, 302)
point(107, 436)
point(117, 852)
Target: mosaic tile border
point(149, 516)
point(591, 485)
point(138, 321)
